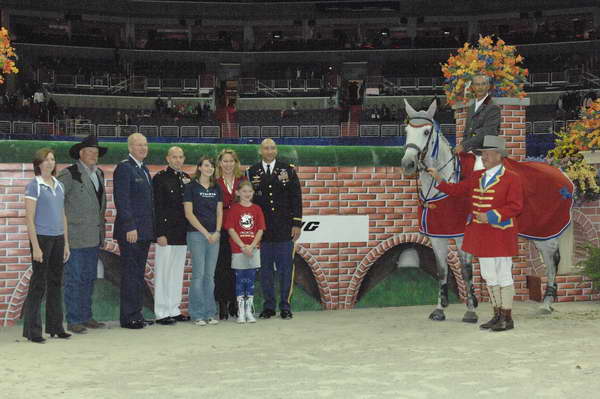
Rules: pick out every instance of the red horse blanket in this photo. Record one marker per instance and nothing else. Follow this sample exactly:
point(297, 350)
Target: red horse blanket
point(548, 199)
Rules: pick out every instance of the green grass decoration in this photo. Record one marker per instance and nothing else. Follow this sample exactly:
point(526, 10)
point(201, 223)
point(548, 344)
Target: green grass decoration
point(404, 287)
point(12, 151)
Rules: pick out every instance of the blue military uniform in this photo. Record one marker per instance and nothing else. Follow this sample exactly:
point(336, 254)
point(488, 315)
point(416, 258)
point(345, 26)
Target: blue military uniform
point(280, 197)
point(135, 211)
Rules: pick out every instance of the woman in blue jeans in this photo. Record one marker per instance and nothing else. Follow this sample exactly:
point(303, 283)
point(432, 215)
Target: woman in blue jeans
point(204, 211)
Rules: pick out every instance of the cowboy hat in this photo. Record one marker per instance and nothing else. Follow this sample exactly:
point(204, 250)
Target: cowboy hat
point(494, 143)
point(89, 141)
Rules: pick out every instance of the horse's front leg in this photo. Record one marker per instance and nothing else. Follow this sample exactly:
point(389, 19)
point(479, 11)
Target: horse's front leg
point(440, 250)
point(551, 257)
point(466, 261)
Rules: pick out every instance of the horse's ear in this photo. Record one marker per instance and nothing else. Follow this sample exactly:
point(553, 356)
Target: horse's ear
point(410, 111)
point(432, 108)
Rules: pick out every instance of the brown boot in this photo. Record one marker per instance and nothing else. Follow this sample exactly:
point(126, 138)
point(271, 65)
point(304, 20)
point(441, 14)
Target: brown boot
point(494, 320)
point(506, 322)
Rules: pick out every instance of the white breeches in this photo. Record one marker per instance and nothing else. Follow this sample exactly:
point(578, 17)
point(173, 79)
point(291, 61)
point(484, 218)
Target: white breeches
point(169, 262)
point(497, 271)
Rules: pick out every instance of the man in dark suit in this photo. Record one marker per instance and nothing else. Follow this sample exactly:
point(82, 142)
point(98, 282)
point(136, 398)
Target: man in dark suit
point(483, 117)
point(171, 229)
point(85, 208)
point(134, 229)
point(277, 191)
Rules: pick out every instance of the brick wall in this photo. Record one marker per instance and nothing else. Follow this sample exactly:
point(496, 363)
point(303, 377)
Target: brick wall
point(380, 192)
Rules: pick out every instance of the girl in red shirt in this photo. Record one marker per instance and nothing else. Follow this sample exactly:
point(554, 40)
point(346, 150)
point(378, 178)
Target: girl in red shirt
point(245, 223)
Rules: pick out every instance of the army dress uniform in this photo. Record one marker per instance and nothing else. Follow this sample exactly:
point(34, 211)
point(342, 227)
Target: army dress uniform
point(277, 191)
point(170, 222)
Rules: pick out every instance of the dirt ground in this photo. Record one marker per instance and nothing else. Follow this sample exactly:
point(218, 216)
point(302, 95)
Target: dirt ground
point(366, 353)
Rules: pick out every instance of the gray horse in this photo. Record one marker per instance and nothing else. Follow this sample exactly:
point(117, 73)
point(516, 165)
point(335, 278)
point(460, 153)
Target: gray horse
point(426, 147)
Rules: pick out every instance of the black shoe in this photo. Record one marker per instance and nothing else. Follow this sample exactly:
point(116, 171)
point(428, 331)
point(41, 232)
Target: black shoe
point(166, 321)
point(147, 322)
point(286, 314)
point(233, 308)
point(133, 325)
point(267, 314)
point(62, 335)
point(37, 340)
point(181, 317)
point(223, 314)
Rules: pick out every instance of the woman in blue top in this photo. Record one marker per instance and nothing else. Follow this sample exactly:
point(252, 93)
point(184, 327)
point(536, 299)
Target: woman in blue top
point(204, 211)
point(47, 230)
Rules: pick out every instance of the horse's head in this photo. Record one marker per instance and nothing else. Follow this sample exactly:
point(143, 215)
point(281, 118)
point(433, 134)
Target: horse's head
point(419, 129)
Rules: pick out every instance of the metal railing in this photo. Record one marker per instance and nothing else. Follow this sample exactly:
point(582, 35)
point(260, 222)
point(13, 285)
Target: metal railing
point(72, 127)
point(135, 84)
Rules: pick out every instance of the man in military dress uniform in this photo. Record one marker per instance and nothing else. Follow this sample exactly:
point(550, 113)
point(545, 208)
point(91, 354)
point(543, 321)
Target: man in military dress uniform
point(278, 193)
point(170, 251)
point(133, 230)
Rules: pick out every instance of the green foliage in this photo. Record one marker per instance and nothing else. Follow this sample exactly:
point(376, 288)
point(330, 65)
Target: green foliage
point(22, 151)
point(591, 266)
point(405, 287)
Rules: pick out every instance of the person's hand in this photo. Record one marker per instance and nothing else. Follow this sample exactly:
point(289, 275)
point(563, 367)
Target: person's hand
point(296, 233)
point(248, 250)
point(132, 236)
point(66, 253)
point(435, 174)
point(458, 149)
point(162, 241)
point(37, 255)
point(213, 238)
point(481, 217)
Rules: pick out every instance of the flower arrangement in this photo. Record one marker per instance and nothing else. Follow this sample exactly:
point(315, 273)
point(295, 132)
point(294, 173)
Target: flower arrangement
point(581, 135)
point(496, 60)
point(7, 56)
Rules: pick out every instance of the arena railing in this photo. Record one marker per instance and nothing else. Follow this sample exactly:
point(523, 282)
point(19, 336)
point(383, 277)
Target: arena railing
point(137, 83)
point(367, 129)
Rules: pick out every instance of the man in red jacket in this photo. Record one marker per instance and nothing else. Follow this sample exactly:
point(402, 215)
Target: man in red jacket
point(491, 232)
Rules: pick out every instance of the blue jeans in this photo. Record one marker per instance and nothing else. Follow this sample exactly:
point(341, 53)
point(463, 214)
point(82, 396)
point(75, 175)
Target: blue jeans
point(80, 273)
point(280, 254)
point(202, 287)
point(244, 282)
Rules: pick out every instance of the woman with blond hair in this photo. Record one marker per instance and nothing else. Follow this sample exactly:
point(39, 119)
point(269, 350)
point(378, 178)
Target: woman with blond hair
point(47, 230)
point(228, 175)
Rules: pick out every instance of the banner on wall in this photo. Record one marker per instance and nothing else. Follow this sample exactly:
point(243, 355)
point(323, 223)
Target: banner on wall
point(334, 228)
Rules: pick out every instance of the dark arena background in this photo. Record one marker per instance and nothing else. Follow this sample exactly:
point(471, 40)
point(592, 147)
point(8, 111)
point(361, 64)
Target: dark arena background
point(327, 81)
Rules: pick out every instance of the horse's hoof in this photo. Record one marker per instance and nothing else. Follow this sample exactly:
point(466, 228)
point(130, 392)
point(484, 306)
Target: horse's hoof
point(470, 317)
point(437, 315)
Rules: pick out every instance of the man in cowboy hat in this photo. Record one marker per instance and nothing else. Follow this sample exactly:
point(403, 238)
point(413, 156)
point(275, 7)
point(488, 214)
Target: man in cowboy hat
point(491, 232)
point(85, 206)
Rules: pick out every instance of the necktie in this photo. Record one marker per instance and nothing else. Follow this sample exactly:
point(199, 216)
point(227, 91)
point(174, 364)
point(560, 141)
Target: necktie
point(268, 170)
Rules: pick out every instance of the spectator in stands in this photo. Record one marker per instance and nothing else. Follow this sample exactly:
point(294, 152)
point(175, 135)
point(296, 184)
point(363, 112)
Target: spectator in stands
point(199, 111)
point(202, 202)
point(85, 207)
point(126, 118)
point(48, 239)
point(118, 118)
point(170, 105)
point(134, 228)
point(394, 112)
point(159, 105)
